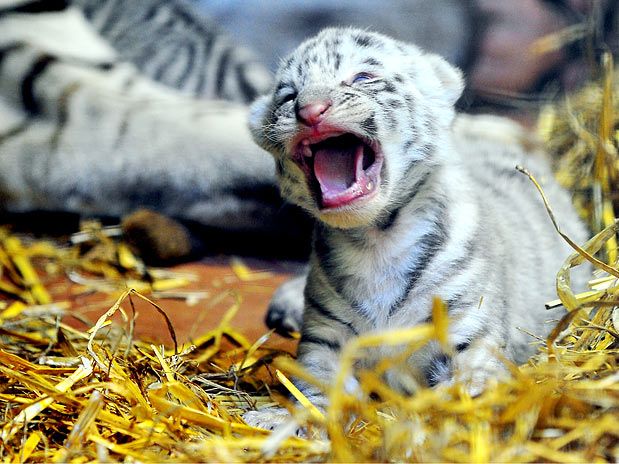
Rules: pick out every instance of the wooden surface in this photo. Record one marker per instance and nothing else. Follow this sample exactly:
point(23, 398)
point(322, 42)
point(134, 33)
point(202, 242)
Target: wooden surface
point(190, 319)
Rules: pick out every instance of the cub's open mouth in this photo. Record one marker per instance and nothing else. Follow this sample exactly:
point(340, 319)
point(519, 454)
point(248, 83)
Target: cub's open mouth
point(340, 168)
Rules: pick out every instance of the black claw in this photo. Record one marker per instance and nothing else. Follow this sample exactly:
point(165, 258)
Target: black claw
point(277, 319)
point(273, 317)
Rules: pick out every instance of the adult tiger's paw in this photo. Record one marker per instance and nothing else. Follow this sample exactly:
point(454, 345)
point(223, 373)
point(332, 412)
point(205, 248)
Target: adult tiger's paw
point(274, 418)
point(157, 238)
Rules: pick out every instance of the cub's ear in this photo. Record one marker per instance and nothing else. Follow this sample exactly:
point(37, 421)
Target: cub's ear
point(450, 78)
point(257, 115)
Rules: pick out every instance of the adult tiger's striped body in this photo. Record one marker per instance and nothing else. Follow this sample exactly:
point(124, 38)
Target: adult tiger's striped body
point(171, 44)
point(412, 202)
point(107, 105)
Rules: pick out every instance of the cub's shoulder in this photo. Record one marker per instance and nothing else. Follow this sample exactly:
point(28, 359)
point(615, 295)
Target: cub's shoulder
point(489, 144)
point(490, 129)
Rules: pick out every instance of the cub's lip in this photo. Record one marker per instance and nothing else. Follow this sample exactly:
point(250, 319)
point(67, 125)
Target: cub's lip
point(342, 168)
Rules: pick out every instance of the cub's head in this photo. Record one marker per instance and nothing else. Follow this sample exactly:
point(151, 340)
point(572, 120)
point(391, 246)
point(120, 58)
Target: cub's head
point(353, 119)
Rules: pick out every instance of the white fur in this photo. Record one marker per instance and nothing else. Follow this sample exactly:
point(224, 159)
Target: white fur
point(106, 138)
point(474, 230)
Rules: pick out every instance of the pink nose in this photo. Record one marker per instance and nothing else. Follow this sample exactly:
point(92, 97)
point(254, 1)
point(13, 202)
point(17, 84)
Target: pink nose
point(312, 113)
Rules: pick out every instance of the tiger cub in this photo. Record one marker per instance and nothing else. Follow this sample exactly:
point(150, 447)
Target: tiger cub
point(411, 202)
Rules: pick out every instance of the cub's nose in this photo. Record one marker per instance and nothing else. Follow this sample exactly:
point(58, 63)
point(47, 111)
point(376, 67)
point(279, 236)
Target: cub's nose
point(312, 113)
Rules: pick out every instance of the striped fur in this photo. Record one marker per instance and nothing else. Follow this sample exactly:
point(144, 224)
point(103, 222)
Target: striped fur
point(169, 43)
point(451, 216)
point(108, 105)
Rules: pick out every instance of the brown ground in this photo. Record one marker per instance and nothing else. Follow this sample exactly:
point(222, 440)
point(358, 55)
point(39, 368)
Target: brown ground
point(190, 320)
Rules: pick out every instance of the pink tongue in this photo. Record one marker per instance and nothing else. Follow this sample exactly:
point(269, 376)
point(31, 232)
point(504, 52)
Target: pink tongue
point(335, 169)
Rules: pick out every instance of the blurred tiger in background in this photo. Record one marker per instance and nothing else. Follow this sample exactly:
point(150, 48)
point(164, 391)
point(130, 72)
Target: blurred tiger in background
point(107, 106)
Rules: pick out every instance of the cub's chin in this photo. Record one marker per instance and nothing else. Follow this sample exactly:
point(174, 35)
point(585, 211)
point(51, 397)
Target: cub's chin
point(364, 212)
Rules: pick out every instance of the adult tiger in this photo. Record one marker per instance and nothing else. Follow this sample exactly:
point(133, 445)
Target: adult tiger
point(106, 106)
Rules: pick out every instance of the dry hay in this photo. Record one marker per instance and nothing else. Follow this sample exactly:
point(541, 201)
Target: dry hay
point(100, 395)
point(76, 396)
point(582, 135)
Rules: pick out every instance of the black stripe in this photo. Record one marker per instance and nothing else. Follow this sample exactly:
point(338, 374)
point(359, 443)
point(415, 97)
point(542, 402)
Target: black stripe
point(391, 120)
point(287, 63)
point(453, 301)
point(146, 56)
point(469, 249)
point(186, 73)
point(40, 6)
point(363, 40)
point(328, 314)
point(329, 267)
point(369, 126)
point(331, 344)
point(169, 27)
point(462, 346)
point(89, 10)
point(123, 127)
point(338, 61)
point(112, 19)
point(222, 66)
point(372, 62)
point(129, 83)
point(458, 300)
point(204, 65)
point(389, 87)
point(322, 249)
point(414, 162)
point(279, 167)
point(522, 212)
point(63, 114)
point(408, 145)
point(166, 63)
point(249, 91)
point(397, 104)
point(356, 238)
point(432, 243)
point(436, 368)
point(27, 85)
point(105, 66)
point(457, 266)
point(14, 131)
point(389, 220)
point(463, 300)
point(151, 12)
point(283, 85)
point(6, 51)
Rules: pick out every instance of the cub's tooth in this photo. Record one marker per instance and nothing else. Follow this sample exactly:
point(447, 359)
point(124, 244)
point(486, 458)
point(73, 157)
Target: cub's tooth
point(370, 185)
point(359, 172)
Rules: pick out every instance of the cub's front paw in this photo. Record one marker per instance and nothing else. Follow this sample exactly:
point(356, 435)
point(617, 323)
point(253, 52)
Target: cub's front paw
point(285, 313)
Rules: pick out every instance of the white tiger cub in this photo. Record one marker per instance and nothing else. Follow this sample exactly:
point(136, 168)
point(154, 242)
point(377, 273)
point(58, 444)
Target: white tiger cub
point(411, 202)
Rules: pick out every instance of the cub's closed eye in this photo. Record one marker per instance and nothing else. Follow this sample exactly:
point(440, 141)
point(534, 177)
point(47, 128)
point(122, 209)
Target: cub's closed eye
point(286, 97)
point(360, 77)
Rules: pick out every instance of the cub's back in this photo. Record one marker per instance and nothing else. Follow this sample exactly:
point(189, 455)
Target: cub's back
point(491, 148)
